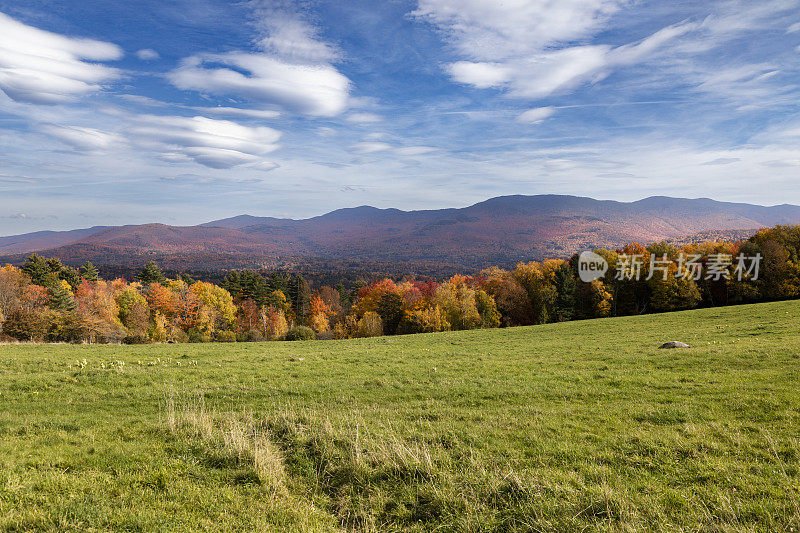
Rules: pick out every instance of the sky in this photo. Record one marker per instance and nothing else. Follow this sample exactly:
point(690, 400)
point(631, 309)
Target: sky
point(185, 111)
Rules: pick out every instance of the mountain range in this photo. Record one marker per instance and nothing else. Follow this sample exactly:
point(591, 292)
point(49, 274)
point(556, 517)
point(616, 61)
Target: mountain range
point(502, 231)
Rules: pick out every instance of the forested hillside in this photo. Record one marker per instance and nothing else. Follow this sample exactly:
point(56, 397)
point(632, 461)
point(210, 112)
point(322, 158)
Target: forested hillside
point(46, 300)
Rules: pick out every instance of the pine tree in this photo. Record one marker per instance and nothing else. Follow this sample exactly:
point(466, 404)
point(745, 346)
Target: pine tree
point(565, 287)
point(89, 272)
point(151, 273)
point(390, 309)
point(300, 294)
point(37, 269)
point(61, 298)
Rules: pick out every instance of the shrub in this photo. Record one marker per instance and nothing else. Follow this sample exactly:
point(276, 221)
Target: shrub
point(136, 339)
point(251, 336)
point(226, 336)
point(301, 333)
point(325, 336)
point(195, 335)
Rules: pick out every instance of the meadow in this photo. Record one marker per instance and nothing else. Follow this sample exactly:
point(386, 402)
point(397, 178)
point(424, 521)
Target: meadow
point(578, 426)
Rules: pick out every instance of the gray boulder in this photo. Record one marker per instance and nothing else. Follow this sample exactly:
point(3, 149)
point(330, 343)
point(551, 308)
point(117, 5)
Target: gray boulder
point(674, 344)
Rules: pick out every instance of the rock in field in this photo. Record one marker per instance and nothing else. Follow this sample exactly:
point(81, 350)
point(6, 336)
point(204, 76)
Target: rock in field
point(674, 344)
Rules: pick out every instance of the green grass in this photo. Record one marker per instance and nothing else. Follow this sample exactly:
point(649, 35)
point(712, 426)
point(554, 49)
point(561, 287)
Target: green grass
point(582, 426)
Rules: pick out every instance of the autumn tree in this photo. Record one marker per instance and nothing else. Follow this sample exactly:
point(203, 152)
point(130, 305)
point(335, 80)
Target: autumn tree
point(538, 280)
point(134, 313)
point(319, 314)
point(487, 309)
point(98, 312)
point(12, 287)
point(273, 323)
point(370, 325)
point(249, 314)
point(510, 297)
point(457, 300)
point(218, 312)
point(333, 299)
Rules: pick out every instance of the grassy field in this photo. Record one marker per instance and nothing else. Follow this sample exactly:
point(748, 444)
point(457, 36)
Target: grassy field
point(582, 426)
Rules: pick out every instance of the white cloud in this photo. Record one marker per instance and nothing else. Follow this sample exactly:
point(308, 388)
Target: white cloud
point(286, 36)
point(147, 54)
point(326, 131)
point(537, 115)
point(294, 70)
point(370, 147)
point(794, 28)
point(318, 90)
point(81, 139)
point(480, 75)
point(143, 100)
point(524, 46)
point(239, 112)
point(543, 74)
point(721, 161)
point(210, 142)
point(416, 150)
point(266, 166)
point(364, 118)
point(497, 31)
point(41, 67)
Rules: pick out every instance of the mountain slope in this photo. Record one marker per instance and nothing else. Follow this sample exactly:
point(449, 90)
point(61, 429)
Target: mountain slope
point(501, 230)
point(40, 240)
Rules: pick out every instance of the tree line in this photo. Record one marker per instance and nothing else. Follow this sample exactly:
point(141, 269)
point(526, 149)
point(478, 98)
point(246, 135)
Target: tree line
point(47, 301)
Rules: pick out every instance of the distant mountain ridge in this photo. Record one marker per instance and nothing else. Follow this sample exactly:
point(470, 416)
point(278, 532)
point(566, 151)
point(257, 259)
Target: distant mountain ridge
point(40, 240)
point(501, 230)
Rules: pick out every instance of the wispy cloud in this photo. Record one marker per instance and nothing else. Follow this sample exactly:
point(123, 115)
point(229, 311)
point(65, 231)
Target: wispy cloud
point(214, 143)
point(239, 112)
point(147, 54)
point(537, 115)
point(81, 139)
point(41, 67)
point(370, 147)
point(364, 118)
point(293, 70)
point(524, 47)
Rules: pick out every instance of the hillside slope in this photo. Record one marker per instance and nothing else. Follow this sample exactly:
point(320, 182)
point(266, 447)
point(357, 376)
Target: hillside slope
point(573, 426)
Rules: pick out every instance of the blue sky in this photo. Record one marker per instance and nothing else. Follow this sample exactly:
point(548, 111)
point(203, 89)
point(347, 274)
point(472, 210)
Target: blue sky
point(190, 110)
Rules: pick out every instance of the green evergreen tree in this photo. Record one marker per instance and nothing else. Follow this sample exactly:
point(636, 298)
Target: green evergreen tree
point(89, 272)
point(37, 269)
point(565, 299)
point(60, 298)
point(151, 273)
point(390, 308)
point(300, 295)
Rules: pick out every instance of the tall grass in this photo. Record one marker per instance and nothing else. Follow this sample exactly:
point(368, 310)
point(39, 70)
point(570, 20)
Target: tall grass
point(236, 437)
